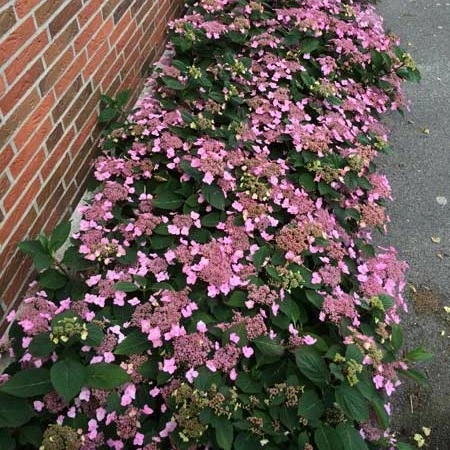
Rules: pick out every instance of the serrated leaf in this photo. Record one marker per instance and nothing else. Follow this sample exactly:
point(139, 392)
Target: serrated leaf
point(312, 365)
point(419, 355)
point(68, 378)
point(107, 114)
point(105, 376)
point(59, 235)
point(214, 195)
point(310, 406)
point(260, 256)
point(7, 442)
point(52, 279)
point(28, 383)
point(134, 343)
point(14, 411)
point(247, 384)
point(416, 376)
point(308, 45)
point(326, 438)
point(224, 434)
point(168, 201)
point(350, 438)
point(268, 346)
point(125, 286)
point(352, 403)
point(41, 258)
point(397, 337)
point(41, 345)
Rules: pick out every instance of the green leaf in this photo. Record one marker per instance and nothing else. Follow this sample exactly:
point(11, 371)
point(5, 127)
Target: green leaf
point(237, 299)
point(28, 383)
point(168, 200)
point(41, 258)
point(307, 181)
point(352, 403)
point(95, 335)
point(404, 446)
point(418, 355)
point(7, 442)
point(172, 83)
point(310, 406)
point(308, 45)
point(211, 220)
point(269, 347)
point(248, 384)
point(41, 345)
point(59, 235)
point(105, 376)
point(14, 411)
point(380, 412)
point(125, 286)
point(260, 256)
point(326, 438)
point(214, 195)
point(397, 337)
point(224, 433)
point(30, 435)
point(416, 376)
point(134, 343)
point(246, 441)
point(52, 279)
point(68, 378)
point(123, 97)
point(312, 365)
point(314, 298)
point(107, 114)
point(350, 437)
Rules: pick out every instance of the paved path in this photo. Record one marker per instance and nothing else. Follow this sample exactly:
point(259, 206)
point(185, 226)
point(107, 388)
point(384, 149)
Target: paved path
point(420, 177)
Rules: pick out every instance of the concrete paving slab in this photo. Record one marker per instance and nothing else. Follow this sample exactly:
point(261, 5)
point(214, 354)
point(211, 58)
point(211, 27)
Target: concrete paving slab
point(419, 173)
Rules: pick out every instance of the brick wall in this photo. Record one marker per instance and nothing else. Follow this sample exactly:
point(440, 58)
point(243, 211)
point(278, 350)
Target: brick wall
point(56, 57)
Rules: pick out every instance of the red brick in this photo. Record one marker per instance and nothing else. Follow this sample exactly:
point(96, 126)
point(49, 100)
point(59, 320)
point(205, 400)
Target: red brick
point(59, 22)
point(54, 137)
point(47, 9)
point(22, 159)
point(7, 20)
point(14, 40)
point(101, 35)
point(6, 154)
point(73, 71)
point(20, 62)
point(86, 34)
point(30, 173)
point(4, 184)
point(22, 213)
point(20, 113)
point(53, 75)
point(96, 60)
point(89, 108)
point(86, 14)
point(15, 93)
point(35, 122)
point(23, 7)
point(58, 45)
point(60, 154)
point(77, 105)
point(64, 102)
point(108, 9)
point(2, 86)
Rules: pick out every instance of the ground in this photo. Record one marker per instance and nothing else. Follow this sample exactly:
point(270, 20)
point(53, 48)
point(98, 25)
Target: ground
point(419, 173)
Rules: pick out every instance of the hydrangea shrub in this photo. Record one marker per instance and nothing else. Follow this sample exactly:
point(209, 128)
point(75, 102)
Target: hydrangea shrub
point(222, 291)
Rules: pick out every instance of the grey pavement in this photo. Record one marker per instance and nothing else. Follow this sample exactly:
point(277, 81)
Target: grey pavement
point(419, 173)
